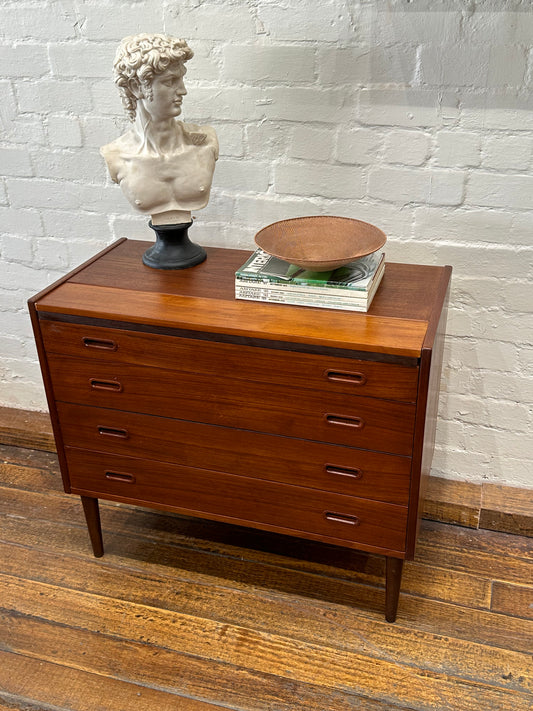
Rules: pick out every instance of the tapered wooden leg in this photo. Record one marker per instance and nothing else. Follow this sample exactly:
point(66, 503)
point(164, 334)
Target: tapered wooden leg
point(392, 590)
point(92, 516)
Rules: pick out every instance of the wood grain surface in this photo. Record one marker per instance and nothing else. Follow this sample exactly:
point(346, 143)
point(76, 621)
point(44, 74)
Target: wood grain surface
point(216, 495)
point(351, 420)
point(23, 428)
point(279, 367)
point(380, 334)
point(119, 287)
point(344, 470)
point(407, 290)
point(191, 615)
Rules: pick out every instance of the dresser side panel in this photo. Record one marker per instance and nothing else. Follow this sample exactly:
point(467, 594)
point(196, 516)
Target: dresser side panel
point(426, 416)
point(50, 398)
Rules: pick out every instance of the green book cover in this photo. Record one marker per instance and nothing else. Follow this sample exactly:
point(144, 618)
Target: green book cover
point(265, 268)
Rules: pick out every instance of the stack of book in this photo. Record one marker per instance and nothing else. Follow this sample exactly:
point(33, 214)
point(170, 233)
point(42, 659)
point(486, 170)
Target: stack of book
point(352, 287)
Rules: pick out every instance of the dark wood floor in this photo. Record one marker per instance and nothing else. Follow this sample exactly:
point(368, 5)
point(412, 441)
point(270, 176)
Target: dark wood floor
point(186, 615)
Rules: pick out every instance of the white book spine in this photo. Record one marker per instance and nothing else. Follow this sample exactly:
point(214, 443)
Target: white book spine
point(308, 294)
point(273, 296)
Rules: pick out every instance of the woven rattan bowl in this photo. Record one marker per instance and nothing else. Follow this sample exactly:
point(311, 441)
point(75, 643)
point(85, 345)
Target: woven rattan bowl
point(320, 243)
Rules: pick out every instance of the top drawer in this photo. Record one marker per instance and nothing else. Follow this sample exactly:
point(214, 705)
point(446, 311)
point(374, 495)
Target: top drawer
point(282, 367)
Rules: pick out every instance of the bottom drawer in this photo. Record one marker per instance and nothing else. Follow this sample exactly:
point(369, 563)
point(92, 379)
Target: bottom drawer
point(283, 508)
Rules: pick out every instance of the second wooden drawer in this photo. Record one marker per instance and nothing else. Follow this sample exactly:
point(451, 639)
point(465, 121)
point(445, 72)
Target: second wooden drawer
point(355, 421)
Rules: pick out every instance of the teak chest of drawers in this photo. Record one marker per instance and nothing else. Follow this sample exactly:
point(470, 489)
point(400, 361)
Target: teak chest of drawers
point(166, 392)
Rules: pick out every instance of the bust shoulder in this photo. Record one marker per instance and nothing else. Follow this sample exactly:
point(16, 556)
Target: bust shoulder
point(201, 136)
point(113, 153)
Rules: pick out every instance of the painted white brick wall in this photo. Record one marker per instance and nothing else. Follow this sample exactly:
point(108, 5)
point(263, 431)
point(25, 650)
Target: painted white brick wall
point(416, 116)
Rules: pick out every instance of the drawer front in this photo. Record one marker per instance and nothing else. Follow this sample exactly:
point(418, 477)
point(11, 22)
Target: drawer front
point(366, 423)
point(288, 368)
point(354, 472)
point(237, 499)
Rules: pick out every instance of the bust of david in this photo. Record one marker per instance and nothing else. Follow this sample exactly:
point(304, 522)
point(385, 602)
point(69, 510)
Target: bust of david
point(163, 165)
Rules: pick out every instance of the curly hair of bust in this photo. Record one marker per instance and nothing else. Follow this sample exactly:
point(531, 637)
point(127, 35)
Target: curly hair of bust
point(141, 58)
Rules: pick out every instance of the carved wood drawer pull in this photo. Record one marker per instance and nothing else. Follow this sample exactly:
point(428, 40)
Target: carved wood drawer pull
point(345, 376)
point(112, 385)
point(345, 421)
point(344, 471)
point(113, 432)
point(100, 343)
point(341, 518)
point(117, 476)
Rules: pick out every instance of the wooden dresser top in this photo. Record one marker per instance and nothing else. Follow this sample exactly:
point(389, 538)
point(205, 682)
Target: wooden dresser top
point(117, 286)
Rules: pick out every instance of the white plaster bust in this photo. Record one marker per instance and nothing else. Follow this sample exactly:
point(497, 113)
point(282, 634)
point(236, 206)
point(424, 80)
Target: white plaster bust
point(164, 166)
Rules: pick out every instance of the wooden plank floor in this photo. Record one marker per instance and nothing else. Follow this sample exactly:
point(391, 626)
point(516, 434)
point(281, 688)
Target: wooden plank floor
point(196, 616)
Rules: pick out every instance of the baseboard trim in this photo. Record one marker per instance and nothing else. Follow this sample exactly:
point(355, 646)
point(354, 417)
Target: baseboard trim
point(25, 428)
point(494, 507)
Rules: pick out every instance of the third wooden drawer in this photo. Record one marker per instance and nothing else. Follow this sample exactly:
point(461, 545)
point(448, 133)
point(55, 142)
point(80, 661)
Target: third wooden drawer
point(345, 470)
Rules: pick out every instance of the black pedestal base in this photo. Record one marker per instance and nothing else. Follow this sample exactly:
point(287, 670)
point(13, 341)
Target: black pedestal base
point(173, 248)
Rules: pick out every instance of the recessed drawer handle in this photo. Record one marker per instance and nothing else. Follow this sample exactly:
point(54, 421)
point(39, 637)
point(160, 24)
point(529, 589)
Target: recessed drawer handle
point(344, 471)
point(345, 376)
point(113, 385)
point(345, 421)
point(113, 432)
point(341, 518)
point(117, 476)
point(100, 343)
